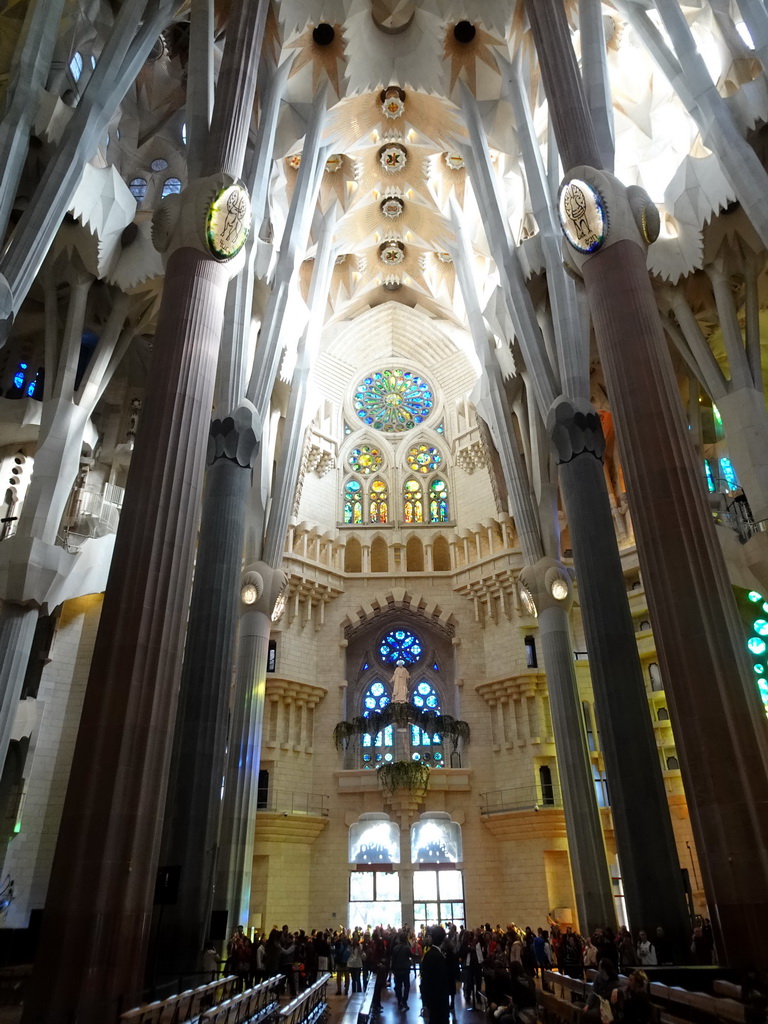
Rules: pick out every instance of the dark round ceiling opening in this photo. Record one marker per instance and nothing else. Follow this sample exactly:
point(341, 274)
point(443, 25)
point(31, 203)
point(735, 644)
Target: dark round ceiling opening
point(324, 35)
point(463, 31)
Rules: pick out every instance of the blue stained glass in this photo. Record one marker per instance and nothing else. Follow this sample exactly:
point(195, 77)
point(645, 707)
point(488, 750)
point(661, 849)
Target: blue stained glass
point(171, 186)
point(31, 388)
point(435, 667)
point(18, 379)
point(729, 473)
point(759, 669)
point(756, 645)
point(761, 626)
point(710, 480)
point(393, 400)
point(76, 65)
point(400, 643)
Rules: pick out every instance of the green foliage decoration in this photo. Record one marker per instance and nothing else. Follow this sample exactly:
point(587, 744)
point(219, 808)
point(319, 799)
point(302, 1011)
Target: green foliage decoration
point(410, 775)
point(401, 715)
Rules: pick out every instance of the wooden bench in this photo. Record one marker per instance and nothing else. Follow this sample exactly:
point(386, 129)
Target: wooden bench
point(553, 1008)
point(306, 1008)
point(186, 1006)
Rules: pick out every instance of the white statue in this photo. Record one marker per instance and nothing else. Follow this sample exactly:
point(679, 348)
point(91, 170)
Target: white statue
point(400, 678)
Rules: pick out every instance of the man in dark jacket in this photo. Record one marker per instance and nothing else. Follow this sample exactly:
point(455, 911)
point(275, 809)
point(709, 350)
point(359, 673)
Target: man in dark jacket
point(400, 962)
point(435, 979)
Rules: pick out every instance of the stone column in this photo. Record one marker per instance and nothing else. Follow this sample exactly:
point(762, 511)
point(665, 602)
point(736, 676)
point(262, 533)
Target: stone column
point(721, 732)
point(644, 837)
point(17, 630)
point(238, 823)
point(193, 805)
point(93, 944)
point(548, 586)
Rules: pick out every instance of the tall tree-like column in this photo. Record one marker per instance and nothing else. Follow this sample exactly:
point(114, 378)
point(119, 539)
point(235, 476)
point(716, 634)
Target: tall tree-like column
point(647, 855)
point(720, 729)
point(96, 925)
point(193, 805)
point(586, 848)
point(262, 582)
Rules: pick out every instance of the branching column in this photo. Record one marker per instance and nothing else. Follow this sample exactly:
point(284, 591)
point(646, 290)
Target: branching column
point(98, 913)
point(722, 734)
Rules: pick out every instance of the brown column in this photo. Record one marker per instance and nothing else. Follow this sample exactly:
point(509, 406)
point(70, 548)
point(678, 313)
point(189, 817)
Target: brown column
point(90, 963)
point(100, 897)
point(721, 732)
point(719, 725)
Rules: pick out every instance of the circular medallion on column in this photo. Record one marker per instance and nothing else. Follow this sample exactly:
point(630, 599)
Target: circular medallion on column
point(582, 214)
point(228, 221)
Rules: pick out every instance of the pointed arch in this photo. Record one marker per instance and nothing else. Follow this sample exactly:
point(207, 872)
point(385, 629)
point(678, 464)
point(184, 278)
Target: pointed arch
point(378, 501)
point(353, 556)
point(414, 555)
point(379, 555)
point(413, 501)
point(353, 502)
point(438, 501)
point(441, 554)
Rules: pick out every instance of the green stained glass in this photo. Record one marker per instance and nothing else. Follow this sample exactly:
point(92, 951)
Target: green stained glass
point(366, 459)
point(353, 502)
point(423, 458)
point(393, 400)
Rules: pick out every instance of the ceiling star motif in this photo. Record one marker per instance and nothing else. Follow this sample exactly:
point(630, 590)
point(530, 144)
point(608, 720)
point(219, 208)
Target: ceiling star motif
point(464, 58)
point(324, 60)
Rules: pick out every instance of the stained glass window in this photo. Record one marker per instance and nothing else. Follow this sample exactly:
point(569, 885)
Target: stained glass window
point(375, 698)
point(708, 472)
point(366, 459)
point(76, 66)
point(393, 400)
point(423, 458)
point(378, 502)
point(353, 502)
point(438, 501)
point(171, 186)
point(413, 502)
point(138, 187)
point(729, 474)
point(401, 644)
point(20, 376)
point(425, 698)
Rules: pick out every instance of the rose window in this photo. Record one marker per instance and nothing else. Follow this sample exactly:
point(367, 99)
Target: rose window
point(393, 400)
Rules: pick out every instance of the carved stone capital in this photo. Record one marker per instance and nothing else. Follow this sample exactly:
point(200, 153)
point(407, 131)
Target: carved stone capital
point(236, 437)
point(574, 428)
point(597, 210)
point(261, 585)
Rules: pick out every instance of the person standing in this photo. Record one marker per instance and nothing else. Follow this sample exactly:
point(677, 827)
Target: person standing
point(400, 962)
point(435, 979)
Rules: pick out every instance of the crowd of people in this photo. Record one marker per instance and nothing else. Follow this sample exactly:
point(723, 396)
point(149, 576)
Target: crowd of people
point(495, 967)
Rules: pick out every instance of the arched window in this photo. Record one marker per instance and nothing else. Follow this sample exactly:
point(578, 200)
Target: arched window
point(378, 502)
point(379, 555)
point(413, 502)
point(171, 186)
point(138, 187)
point(423, 746)
point(353, 502)
point(438, 501)
point(655, 676)
point(672, 764)
point(547, 789)
point(414, 555)
point(353, 556)
point(441, 555)
point(379, 748)
point(662, 715)
point(159, 164)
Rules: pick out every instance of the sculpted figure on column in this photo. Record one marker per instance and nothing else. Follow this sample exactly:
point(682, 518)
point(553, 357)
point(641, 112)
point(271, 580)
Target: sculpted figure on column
point(400, 679)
